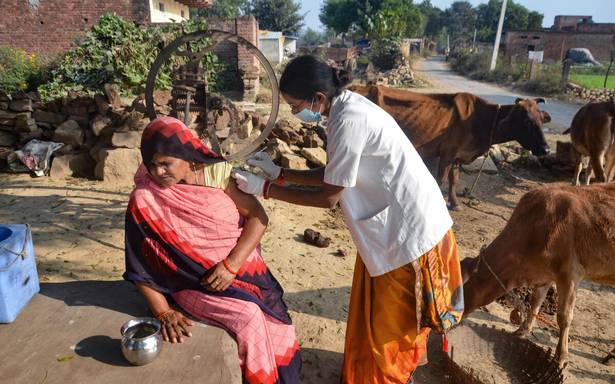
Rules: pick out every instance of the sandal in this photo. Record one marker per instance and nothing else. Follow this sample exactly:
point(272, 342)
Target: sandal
point(316, 238)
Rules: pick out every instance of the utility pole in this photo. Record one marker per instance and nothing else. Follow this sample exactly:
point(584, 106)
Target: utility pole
point(474, 40)
point(498, 35)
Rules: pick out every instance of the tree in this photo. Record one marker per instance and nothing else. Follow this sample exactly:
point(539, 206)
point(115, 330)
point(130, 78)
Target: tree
point(223, 9)
point(339, 15)
point(277, 15)
point(534, 20)
point(390, 18)
point(517, 17)
point(312, 38)
point(460, 20)
point(432, 21)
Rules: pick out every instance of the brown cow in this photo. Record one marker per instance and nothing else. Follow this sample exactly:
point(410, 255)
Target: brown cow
point(459, 127)
point(557, 234)
point(592, 132)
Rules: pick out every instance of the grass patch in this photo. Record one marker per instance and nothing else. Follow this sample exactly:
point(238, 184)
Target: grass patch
point(593, 81)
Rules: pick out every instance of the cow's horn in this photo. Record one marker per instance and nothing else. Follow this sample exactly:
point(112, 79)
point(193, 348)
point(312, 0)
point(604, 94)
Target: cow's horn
point(518, 100)
point(540, 100)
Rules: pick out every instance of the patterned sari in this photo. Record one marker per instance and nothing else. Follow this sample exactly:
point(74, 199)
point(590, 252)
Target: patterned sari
point(391, 315)
point(175, 235)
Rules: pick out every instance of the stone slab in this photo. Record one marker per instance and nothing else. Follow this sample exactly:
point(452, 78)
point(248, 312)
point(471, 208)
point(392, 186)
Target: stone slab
point(70, 333)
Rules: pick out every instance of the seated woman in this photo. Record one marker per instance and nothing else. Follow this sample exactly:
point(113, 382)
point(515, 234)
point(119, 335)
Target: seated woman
point(193, 237)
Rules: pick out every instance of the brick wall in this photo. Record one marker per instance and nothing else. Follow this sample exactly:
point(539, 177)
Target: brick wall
point(233, 56)
point(556, 43)
point(50, 26)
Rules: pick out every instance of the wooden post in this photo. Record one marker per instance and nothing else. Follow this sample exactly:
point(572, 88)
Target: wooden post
point(565, 73)
point(534, 66)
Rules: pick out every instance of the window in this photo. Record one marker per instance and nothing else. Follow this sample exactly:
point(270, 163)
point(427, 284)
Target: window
point(161, 7)
point(531, 48)
point(536, 37)
point(523, 36)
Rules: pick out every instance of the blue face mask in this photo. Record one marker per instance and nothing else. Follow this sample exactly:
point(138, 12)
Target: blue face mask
point(309, 116)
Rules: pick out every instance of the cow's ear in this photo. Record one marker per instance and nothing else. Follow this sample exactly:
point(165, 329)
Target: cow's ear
point(540, 100)
point(465, 103)
point(545, 117)
point(518, 100)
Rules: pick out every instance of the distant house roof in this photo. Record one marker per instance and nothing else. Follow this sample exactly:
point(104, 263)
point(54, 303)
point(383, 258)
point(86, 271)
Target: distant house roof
point(270, 35)
point(197, 3)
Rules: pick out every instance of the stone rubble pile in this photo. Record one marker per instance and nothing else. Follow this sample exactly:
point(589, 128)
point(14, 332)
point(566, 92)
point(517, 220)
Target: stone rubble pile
point(101, 134)
point(400, 76)
point(587, 95)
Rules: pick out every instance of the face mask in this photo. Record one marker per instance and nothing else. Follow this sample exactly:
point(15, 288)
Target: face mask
point(309, 116)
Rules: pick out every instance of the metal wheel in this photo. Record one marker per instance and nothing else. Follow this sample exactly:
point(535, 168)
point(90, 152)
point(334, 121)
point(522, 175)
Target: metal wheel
point(192, 98)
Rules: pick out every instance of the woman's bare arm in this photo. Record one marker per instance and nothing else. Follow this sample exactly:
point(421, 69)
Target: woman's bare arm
point(254, 229)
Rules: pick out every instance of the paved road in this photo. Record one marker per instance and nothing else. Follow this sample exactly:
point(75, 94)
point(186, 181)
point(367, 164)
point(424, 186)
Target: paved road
point(445, 80)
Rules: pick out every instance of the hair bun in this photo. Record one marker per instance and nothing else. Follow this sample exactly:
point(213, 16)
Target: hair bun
point(341, 77)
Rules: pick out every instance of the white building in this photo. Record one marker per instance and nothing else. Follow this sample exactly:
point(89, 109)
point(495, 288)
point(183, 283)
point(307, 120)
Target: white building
point(168, 11)
point(275, 46)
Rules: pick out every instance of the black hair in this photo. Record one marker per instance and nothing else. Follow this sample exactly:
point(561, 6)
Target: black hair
point(306, 75)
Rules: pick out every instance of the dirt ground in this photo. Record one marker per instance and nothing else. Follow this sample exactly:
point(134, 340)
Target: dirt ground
point(78, 233)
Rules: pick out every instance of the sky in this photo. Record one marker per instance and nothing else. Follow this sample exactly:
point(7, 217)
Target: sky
point(603, 11)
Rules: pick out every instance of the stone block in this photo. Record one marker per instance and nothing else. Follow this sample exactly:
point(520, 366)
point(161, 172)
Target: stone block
point(7, 118)
point(113, 96)
point(99, 124)
point(117, 165)
point(78, 164)
point(7, 139)
point(317, 156)
point(23, 105)
point(48, 117)
point(130, 139)
point(312, 140)
point(293, 161)
point(102, 104)
point(475, 166)
point(71, 133)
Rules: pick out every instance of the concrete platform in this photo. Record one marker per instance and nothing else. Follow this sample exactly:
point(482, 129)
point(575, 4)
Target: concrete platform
point(70, 333)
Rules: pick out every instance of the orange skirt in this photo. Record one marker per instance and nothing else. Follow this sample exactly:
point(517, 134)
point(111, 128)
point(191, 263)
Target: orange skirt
point(384, 340)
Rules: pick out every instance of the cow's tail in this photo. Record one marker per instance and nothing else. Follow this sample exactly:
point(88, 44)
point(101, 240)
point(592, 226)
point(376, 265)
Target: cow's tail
point(566, 131)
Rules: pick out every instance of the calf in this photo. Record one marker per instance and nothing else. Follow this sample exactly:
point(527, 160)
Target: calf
point(592, 133)
point(558, 235)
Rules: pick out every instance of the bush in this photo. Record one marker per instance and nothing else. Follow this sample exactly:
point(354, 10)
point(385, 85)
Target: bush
point(385, 53)
point(476, 66)
point(19, 71)
point(120, 52)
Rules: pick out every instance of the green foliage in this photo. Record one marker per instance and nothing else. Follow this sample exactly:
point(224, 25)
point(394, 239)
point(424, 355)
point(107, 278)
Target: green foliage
point(460, 19)
point(19, 71)
point(377, 19)
point(223, 9)
point(339, 15)
point(593, 81)
point(277, 15)
point(517, 17)
point(119, 52)
point(476, 66)
point(385, 52)
point(312, 37)
point(433, 22)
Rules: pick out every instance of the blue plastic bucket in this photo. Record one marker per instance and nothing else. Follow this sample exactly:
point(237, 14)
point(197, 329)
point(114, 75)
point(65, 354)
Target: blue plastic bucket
point(18, 276)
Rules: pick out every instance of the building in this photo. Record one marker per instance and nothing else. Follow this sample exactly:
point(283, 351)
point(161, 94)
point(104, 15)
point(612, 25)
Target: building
point(275, 46)
point(567, 32)
point(50, 26)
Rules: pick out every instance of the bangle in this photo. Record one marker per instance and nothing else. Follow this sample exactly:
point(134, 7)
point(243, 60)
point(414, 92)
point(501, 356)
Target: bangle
point(228, 268)
point(266, 188)
point(163, 315)
point(281, 177)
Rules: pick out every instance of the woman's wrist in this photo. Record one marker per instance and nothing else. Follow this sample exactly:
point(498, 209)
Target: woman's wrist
point(230, 267)
point(281, 179)
point(164, 314)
